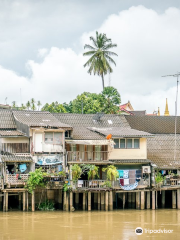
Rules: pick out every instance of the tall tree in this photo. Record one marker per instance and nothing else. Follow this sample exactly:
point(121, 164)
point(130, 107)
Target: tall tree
point(39, 104)
point(28, 105)
point(14, 104)
point(100, 56)
point(54, 107)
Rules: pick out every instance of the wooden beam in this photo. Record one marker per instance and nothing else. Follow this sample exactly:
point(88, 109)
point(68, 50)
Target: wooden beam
point(110, 201)
point(178, 198)
point(124, 200)
point(174, 199)
point(102, 200)
point(148, 200)
point(99, 201)
point(89, 201)
point(4, 202)
point(106, 201)
point(84, 201)
point(7, 202)
point(71, 202)
point(142, 200)
point(153, 200)
point(27, 201)
point(24, 201)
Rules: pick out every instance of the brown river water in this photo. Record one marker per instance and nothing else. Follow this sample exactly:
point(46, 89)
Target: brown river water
point(79, 225)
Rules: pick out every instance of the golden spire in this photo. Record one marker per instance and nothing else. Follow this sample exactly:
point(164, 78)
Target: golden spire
point(166, 113)
point(158, 112)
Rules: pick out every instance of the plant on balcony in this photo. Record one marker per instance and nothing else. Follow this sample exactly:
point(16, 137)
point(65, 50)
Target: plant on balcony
point(159, 179)
point(112, 173)
point(91, 170)
point(76, 172)
point(35, 180)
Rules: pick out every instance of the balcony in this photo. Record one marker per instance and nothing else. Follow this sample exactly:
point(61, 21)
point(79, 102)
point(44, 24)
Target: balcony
point(16, 179)
point(92, 184)
point(77, 156)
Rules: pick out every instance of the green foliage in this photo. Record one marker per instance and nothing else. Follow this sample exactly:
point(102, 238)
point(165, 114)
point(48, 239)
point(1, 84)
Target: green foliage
point(65, 187)
point(112, 173)
point(35, 180)
point(107, 184)
point(92, 170)
point(46, 206)
point(62, 174)
point(76, 172)
point(159, 178)
point(110, 100)
point(54, 107)
point(100, 56)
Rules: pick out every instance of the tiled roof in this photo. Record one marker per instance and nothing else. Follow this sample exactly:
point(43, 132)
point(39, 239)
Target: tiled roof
point(130, 161)
point(120, 132)
point(154, 124)
point(10, 133)
point(38, 119)
point(15, 158)
point(6, 119)
point(81, 122)
point(138, 113)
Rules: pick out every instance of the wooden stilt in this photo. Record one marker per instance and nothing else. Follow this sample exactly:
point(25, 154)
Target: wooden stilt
point(71, 202)
point(110, 201)
point(84, 201)
point(124, 200)
point(33, 201)
point(102, 200)
point(27, 201)
point(77, 200)
point(153, 200)
point(4, 202)
point(129, 199)
point(64, 202)
point(137, 200)
point(60, 199)
point(163, 199)
point(24, 201)
point(133, 204)
point(96, 200)
point(0, 203)
point(106, 201)
point(99, 201)
point(178, 198)
point(156, 196)
point(148, 200)
point(174, 199)
point(20, 197)
point(67, 202)
point(89, 201)
point(142, 200)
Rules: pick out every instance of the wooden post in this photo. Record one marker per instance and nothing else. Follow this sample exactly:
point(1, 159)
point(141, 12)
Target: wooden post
point(102, 200)
point(27, 200)
point(124, 200)
point(24, 201)
point(77, 200)
point(106, 201)
point(137, 200)
point(163, 199)
point(99, 201)
point(156, 195)
point(148, 203)
point(142, 200)
point(33, 201)
point(0, 203)
point(71, 202)
point(84, 201)
point(89, 201)
point(4, 202)
point(174, 199)
point(133, 198)
point(67, 202)
point(129, 199)
point(110, 201)
point(178, 198)
point(96, 200)
point(153, 200)
point(60, 199)
point(64, 202)
point(20, 196)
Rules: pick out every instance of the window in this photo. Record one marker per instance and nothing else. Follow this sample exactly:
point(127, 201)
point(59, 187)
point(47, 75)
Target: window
point(129, 143)
point(54, 138)
point(67, 134)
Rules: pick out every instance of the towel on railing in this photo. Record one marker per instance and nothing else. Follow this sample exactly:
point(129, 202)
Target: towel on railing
point(126, 181)
point(22, 167)
point(138, 173)
point(121, 173)
point(122, 182)
point(126, 174)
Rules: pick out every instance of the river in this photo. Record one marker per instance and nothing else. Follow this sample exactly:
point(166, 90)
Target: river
point(79, 225)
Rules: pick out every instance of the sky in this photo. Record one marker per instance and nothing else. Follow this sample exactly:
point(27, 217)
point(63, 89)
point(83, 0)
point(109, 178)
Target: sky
point(42, 44)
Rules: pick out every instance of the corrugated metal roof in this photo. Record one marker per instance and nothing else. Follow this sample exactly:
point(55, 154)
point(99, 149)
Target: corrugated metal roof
point(121, 132)
point(119, 161)
point(14, 158)
point(10, 133)
point(38, 119)
point(6, 119)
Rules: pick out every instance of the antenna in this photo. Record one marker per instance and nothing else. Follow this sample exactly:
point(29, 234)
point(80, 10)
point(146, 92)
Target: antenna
point(175, 130)
point(6, 100)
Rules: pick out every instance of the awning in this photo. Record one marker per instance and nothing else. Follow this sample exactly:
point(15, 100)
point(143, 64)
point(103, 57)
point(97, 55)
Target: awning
point(88, 142)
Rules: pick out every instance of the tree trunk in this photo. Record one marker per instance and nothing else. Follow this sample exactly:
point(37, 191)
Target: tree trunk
point(102, 80)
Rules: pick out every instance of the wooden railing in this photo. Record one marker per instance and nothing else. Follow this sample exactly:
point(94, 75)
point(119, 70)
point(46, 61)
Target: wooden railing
point(91, 184)
point(15, 179)
point(78, 156)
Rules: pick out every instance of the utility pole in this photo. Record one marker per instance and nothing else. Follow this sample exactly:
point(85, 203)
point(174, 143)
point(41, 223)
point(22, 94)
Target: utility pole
point(175, 130)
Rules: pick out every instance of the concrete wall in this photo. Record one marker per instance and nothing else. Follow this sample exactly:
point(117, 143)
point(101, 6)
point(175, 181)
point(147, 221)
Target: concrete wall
point(140, 153)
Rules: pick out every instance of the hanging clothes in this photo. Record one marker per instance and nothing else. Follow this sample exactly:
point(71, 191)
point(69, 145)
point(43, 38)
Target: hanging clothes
point(138, 173)
point(122, 182)
point(126, 174)
point(121, 173)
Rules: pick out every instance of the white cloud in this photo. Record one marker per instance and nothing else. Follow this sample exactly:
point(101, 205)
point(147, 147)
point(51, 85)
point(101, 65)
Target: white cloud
point(148, 47)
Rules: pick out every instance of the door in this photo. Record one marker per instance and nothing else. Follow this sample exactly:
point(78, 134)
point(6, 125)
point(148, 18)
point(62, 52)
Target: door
point(38, 142)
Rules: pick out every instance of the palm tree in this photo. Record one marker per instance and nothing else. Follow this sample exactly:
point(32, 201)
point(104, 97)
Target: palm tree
point(28, 104)
point(39, 104)
point(14, 104)
point(33, 106)
point(99, 62)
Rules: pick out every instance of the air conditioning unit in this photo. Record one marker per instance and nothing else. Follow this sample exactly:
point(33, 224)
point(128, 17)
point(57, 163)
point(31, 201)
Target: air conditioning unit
point(146, 169)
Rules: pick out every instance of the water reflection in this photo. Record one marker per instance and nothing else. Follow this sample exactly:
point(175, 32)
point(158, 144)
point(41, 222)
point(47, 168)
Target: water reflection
point(88, 225)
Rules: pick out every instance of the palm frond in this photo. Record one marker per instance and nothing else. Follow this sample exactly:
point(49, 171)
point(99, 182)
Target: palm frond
point(111, 60)
point(89, 47)
point(89, 53)
point(110, 45)
point(110, 53)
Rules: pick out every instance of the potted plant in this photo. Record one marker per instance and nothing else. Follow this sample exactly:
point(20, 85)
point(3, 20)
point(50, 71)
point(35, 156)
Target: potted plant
point(159, 179)
point(112, 173)
point(76, 172)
